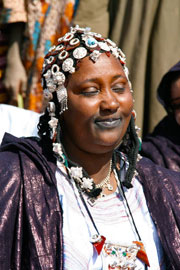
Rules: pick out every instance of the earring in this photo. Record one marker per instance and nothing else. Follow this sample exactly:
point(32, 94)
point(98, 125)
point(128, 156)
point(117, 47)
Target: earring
point(134, 114)
point(54, 121)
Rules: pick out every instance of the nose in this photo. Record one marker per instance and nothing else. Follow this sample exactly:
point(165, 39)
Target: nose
point(109, 101)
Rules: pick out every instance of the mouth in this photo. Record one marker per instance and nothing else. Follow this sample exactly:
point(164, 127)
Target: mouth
point(109, 123)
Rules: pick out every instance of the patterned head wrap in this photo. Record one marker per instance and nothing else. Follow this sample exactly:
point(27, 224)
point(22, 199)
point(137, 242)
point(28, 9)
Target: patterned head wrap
point(62, 60)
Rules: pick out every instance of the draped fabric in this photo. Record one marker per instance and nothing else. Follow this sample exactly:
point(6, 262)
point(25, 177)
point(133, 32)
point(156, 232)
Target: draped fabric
point(162, 146)
point(31, 215)
point(45, 22)
point(162, 191)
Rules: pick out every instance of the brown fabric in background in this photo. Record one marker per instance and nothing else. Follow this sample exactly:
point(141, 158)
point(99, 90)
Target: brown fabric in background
point(148, 32)
point(94, 14)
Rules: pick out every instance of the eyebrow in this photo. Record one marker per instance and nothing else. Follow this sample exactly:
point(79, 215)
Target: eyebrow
point(96, 79)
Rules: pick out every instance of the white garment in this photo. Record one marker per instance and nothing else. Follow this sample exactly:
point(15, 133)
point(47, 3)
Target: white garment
point(112, 222)
point(18, 122)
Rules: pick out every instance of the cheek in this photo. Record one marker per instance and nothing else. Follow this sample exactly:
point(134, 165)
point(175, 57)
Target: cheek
point(80, 107)
point(126, 103)
point(177, 116)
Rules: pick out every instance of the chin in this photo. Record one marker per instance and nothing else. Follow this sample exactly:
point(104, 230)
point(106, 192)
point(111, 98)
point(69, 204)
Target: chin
point(110, 144)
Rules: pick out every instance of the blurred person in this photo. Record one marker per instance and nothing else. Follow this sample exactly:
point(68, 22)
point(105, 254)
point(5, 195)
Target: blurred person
point(32, 28)
point(162, 146)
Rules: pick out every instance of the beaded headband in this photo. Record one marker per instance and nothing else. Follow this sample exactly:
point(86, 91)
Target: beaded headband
point(62, 60)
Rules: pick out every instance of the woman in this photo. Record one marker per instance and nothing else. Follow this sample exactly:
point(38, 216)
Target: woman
point(73, 200)
point(162, 146)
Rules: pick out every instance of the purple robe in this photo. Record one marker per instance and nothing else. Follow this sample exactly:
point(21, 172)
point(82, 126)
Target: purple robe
point(163, 145)
point(31, 215)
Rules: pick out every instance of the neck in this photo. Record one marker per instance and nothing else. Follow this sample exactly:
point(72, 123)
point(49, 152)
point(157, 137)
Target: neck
point(96, 165)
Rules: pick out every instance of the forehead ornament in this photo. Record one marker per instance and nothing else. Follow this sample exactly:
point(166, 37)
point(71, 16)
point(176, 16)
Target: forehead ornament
point(59, 47)
point(62, 55)
point(79, 53)
point(95, 55)
point(111, 43)
point(68, 37)
point(91, 42)
point(68, 65)
point(50, 59)
point(74, 41)
point(104, 46)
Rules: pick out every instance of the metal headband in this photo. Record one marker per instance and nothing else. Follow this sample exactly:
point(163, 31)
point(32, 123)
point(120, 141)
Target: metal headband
point(62, 59)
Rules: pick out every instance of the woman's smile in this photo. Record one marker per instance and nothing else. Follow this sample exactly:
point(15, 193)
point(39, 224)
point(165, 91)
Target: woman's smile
point(99, 106)
point(108, 123)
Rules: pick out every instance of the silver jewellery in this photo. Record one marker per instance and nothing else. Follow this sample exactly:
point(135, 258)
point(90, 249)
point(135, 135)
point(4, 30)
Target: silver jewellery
point(63, 58)
point(74, 41)
point(50, 60)
point(54, 121)
point(67, 65)
point(80, 53)
point(62, 98)
point(63, 55)
point(68, 36)
point(47, 95)
point(105, 183)
point(104, 46)
point(59, 47)
point(94, 56)
point(121, 256)
point(91, 42)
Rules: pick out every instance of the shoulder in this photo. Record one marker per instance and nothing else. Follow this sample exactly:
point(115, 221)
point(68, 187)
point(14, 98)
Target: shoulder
point(31, 148)
point(152, 176)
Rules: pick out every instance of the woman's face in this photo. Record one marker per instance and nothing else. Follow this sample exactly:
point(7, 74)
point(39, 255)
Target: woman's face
point(175, 99)
point(99, 106)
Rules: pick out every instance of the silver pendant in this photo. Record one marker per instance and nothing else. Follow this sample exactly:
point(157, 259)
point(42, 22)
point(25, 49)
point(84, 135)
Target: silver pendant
point(110, 187)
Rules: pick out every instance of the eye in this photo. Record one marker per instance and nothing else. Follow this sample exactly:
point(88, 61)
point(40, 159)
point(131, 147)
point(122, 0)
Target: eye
point(90, 91)
point(119, 88)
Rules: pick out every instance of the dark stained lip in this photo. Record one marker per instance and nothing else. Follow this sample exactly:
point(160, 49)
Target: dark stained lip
point(107, 119)
point(108, 123)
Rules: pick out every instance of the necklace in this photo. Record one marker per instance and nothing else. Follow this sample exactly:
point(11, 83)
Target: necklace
point(121, 255)
point(105, 183)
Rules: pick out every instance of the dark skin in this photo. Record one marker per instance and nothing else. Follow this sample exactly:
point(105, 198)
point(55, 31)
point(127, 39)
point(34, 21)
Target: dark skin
point(99, 110)
point(175, 99)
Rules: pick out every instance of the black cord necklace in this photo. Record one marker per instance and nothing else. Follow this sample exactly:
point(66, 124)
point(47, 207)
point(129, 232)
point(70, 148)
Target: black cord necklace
point(99, 240)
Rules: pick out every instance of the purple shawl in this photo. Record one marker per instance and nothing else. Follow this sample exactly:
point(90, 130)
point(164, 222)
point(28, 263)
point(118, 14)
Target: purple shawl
point(31, 215)
point(162, 146)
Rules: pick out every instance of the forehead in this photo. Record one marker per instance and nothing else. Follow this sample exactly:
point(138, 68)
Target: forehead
point(106, 66)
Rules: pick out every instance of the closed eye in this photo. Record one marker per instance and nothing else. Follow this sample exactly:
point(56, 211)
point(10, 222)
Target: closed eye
point(119, 88)
point(90, 91)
